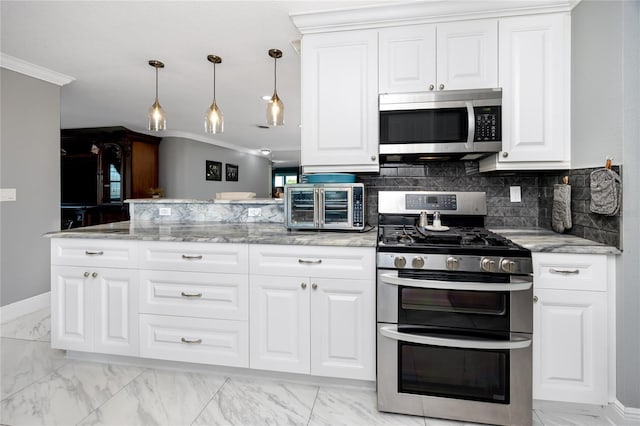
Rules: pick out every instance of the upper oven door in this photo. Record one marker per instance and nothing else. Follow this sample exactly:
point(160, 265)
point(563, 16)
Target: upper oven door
point(466, 301)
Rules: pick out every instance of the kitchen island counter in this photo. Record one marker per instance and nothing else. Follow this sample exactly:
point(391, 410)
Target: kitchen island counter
point(546, 241)
point(216, 232)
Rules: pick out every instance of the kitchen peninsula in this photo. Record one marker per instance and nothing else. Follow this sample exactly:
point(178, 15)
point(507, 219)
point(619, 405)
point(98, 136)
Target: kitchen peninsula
point(181, 286)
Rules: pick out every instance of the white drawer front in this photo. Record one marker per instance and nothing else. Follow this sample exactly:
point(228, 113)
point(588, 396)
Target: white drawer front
point(94, 252)
point(204, 341)
point(313, 261)
point(563, 271)
point(196, 257)
point(195, 294)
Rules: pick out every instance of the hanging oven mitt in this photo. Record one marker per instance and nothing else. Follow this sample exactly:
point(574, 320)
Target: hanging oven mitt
point(605, 192)
point(561, 211)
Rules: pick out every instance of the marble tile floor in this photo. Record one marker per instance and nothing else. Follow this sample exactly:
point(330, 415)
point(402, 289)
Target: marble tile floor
point(40, 386)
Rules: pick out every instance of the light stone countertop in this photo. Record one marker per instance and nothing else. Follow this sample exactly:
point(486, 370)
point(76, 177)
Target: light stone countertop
point(212, 201)
point(216, 232)
point(547, 241)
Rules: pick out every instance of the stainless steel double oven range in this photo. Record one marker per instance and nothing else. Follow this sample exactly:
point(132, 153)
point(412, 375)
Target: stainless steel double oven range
point(454, 312)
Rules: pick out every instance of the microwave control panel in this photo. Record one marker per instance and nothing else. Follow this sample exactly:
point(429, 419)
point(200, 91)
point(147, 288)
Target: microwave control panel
point(358, 207)
point(488, 124)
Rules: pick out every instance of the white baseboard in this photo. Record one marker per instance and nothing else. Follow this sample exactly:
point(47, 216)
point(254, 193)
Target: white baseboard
point(24, 307)
point(626, 415)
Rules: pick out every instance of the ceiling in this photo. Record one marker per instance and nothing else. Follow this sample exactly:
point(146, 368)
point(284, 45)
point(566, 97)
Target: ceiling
point(106, 46)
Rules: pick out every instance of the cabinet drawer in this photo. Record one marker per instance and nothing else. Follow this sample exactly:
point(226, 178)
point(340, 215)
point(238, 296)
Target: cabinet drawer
point(570, 271)
point(316, 261)
point(94, 252)
point(205, 341)
point(195, 294)
point(196, 257)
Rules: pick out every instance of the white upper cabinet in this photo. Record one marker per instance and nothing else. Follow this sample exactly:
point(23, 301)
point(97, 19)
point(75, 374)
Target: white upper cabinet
point(447, 56)
point(534, 67)
point(340, 102)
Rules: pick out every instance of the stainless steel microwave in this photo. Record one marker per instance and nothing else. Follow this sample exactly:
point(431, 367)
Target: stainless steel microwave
point(459, 124)
point(328, 206)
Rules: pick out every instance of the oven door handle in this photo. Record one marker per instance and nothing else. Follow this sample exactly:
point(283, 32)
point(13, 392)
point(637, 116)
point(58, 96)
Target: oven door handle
point(518, 284)
point(516, 342)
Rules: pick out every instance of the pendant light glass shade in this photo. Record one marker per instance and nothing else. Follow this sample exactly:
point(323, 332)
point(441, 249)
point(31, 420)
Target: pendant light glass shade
point(213, 118)
point(275, 107)
point(157, 117)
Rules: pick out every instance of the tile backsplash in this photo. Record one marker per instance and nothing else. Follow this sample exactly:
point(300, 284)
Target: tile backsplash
point(536, 188)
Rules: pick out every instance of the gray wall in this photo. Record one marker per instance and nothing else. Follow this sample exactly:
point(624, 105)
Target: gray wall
point(606, 76)
point(182, 170)
point(596, 83)
point(29, 162)
point(628, 304)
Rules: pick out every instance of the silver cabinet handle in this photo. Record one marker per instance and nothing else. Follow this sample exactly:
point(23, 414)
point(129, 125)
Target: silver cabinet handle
point(191, 257)
point(314, 286)
point(315, 262)
point(94, 275)
point(564, 271)
point(93, 253)
point(373, 158)
point(535, 299)
point(191, 294)
point(191, 342)
point(303, 285)
point(441, 86)
point(431, 87)
point(86, 275)
point(505, 154)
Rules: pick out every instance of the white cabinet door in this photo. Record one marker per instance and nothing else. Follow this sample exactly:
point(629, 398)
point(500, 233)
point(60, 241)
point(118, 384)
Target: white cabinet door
point(279, 323)
point(467, 55)
point(116, 311)
point(94, 309)
point(407, 57)
point(71, 312)
point(343, 328)
point(570, 346)
point(534, 68)
point(340, 102)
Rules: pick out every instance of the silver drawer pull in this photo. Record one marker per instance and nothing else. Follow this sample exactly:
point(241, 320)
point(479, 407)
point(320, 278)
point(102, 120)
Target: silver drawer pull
point(189, 257)
point(93, 253)
point(564, 271)
point(191, 294)
point(191, 342)
point(315, 262)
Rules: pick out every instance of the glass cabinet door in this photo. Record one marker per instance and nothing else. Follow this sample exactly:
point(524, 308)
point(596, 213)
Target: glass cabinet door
point(111, 169)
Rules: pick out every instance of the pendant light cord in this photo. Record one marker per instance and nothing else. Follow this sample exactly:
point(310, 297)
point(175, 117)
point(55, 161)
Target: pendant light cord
point(275, 75)
point(156, 84)
point(214, 82)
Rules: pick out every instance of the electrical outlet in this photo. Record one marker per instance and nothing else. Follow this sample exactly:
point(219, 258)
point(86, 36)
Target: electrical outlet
point(8, 194)
point(254, 212)
point(515, 194)
point(164, 211)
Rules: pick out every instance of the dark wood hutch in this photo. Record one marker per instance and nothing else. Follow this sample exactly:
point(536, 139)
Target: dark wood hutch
point(100, 168)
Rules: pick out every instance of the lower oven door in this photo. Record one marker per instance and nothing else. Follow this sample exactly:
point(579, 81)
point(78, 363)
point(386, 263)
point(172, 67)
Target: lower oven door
point(474, 378)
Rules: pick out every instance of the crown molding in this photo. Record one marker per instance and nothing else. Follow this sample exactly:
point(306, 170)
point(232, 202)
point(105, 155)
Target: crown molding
point(421, 12)
point(32, 70)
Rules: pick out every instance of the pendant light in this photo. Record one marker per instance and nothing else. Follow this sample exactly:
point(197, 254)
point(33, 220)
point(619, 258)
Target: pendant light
point(157, 117)
point(275, 107)
point(213, 119)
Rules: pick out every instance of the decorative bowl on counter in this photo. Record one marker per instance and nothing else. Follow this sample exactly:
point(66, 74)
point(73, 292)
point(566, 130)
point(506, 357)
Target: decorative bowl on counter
point(331, 178)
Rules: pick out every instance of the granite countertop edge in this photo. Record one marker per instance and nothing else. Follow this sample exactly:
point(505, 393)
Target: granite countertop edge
point(217, 232)
point(540, 240)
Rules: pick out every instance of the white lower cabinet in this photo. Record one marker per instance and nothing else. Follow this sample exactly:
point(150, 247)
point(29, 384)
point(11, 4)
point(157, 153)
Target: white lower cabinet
point(313, 323)
point(94, 309)
point(572, 322)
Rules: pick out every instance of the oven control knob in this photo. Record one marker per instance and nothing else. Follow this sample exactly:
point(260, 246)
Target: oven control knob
point(417, 262)
point(508, 266)
point(453, 263)
point(400, 262)
point(488, 265)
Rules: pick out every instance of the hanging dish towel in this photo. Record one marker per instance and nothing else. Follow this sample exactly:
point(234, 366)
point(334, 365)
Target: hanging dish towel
point(605, 192)
point(561, 211)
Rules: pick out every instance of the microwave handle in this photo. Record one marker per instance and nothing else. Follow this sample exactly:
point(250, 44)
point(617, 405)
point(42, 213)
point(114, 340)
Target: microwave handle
point(472, 123)
point(516, 342)
point(518, 284)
